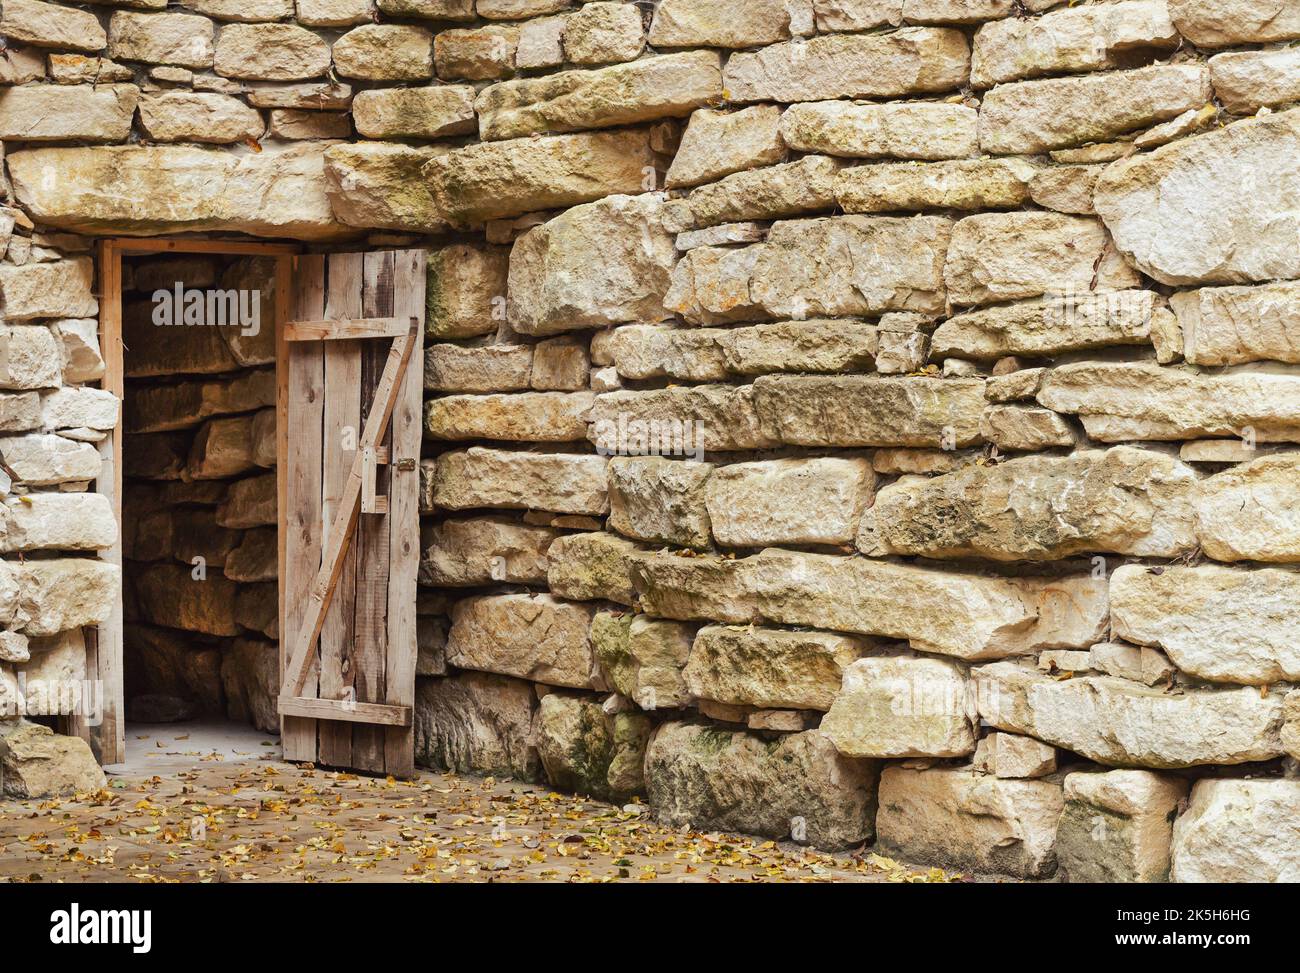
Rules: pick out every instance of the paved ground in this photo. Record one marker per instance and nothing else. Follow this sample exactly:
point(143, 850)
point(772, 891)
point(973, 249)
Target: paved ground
point(194, 807)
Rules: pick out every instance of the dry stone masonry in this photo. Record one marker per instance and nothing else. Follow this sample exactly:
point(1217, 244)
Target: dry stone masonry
point(846, 420)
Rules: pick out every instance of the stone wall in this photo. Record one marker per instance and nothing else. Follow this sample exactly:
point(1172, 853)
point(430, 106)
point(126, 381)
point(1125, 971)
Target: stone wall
point(199, 507)
point(853, 420)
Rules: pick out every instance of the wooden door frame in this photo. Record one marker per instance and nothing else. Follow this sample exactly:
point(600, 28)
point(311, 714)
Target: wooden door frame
point(104, 647)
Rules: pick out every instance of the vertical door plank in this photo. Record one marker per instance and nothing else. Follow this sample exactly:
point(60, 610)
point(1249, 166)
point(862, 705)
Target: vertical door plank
point(108, 641)
point(404, 517)
point(300, 380)
point(341, 434)
point(371, 604)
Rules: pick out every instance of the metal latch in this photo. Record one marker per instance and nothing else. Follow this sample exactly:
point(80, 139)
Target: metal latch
point(405, 465)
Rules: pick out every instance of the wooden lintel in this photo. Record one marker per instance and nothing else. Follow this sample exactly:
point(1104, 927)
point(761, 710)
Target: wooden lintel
point(346, 329)
point(345, 710)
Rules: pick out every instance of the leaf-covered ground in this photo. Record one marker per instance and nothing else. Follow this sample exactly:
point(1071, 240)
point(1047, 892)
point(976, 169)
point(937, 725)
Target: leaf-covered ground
point(267, 821)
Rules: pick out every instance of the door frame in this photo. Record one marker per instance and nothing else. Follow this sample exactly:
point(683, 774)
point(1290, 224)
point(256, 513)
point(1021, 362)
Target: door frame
point(104, 643)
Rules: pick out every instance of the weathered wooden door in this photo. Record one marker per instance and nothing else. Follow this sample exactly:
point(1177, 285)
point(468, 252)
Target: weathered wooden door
point(351, 375)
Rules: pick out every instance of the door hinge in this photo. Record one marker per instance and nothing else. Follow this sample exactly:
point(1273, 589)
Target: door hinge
point(405, 465)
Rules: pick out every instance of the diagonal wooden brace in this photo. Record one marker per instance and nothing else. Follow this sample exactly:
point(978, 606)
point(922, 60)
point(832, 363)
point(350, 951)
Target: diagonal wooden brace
point(345, 520)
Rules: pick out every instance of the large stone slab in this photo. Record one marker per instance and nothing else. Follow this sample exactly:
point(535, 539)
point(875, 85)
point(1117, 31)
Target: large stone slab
point(1246, 81)
point(560, 482)
point(1117, 826)
point(62, 112)
point(965, 184)
point(1122, 501)
point(795, 786)
point(1233, 325)
point(771, 668)
point(1058, 113)
point(144, 190)
point(679, 421)
point(769, 502)
point(914, 60)
point(902, 707)
point(1248, 512)
point(716, 144)
point(1048, 326)
point(727, 23)
point(35, 762)
point(52, 25)
point(1216, 623)
point(1122, 723)
point(959, 820)
point(963, 615)
point(1239, 831)
point(1222, 23)
point(1093, 38)
point(533, 637)
point(183, 40)
point(271, 52)
point(1253, 162)
point(592, 566)
point(1120, 401)
point(900, 130)
point(852, 265)
point(424, 113)
point(473, 722)
point(58, 522)
point(603, 263)
point(654, 498)
point(585, 751)
point(44, 459)
point(499, 179)
point(64, 593)
point(622, 94)
point(790, 189)
point(862, 410)
point(464, 552)
point(53, 289)
point(380, 184)
point(552, 417)
point(643, 658)
point(1010, 256)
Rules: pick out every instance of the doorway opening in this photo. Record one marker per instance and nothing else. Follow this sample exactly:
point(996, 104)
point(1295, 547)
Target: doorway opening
point(197, 325)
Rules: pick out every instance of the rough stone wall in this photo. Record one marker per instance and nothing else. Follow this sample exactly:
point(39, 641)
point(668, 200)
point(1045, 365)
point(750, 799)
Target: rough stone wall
point(849, 419)
point(199, 507)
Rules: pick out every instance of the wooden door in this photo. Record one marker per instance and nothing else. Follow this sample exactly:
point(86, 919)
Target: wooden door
point(351, 377)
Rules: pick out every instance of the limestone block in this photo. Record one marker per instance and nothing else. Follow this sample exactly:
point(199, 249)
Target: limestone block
point(653, 498)
point(1123, 724)
point(1018, 427)
point(911, 61)
point(717, 143)
point(250, 503)
point(840, 345)
point(54, 289)
point(861, 410)
point(1071, 321)
point(423, 113)
point(797, 786)
point(181, 116)
point(962, 184)
point(587, 752)
point(773, 501)
point(379, 184)
point(597, 264)
point(1222, 23)
point(1013, 757)
point(255, 559)
point(32, 360)
point(519, 417)
point(385, 52)
point(80, 408)
point(1117, 826)
point(472, 722)
point(922, 130)
point(40, 459)
point(677, 421)
point(1057, 113)
point(58, 521)
point(1251, 161)
point(665, 86)
point(1217, 623)
point(1239, 831)
point(475, 54)
point(1141, 400)
point(727, 23)
point(52, 680)
point(484, 550)
point(949, 613)
point(1233, 325)
point(79, 340)
point(489, 368)
point(592, 566)
point(65, 593)
point(1246, 81)
point(159, 188)
point(222, 448)
point(62, 112)
point(902, 707)
point(959, 820)
point(643, 658)
point(184, 40)
point(480, 477)
point(35, 762)
point(534, 637)
point(603, 33)
point(499, 179)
